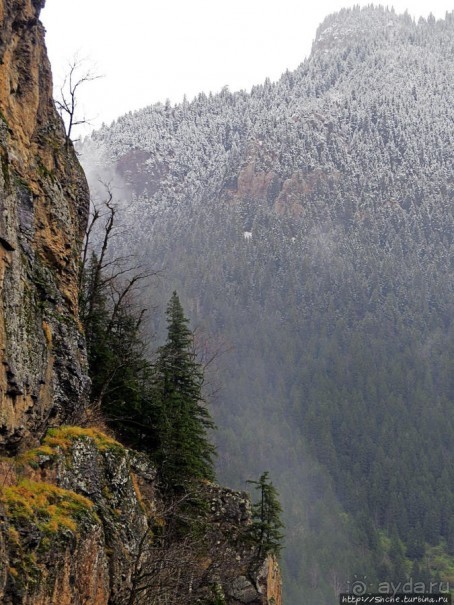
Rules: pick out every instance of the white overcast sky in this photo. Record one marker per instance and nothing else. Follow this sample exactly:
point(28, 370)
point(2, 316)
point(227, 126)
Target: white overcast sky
point(149, 50)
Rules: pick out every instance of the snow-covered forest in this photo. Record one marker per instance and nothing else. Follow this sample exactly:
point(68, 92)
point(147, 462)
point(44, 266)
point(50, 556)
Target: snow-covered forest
point(308, 227)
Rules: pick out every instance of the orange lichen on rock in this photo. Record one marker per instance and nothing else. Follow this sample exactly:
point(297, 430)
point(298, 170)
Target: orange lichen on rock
point(47, 506)
point(274, 582)
point(43, 212)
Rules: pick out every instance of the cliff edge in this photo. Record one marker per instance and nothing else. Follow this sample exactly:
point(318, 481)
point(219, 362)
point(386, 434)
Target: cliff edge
point(82, 521)
point(44, 205)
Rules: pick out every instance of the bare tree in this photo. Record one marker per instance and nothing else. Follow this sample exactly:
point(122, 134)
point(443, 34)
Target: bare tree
point(167, 563)
point(186, 559)
point(67, 101)
point(208, 351)
point(116, 276)
point(109, 286)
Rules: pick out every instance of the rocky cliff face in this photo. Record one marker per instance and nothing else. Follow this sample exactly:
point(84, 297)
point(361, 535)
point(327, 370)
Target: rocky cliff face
point(43, 201)
point(83, 523)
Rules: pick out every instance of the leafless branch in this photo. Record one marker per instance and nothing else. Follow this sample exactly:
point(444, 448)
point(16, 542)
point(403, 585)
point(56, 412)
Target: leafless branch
point(67, 101)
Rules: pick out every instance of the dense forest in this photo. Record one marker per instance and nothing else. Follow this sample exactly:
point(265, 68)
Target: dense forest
point(308, 227)
point(158, 409)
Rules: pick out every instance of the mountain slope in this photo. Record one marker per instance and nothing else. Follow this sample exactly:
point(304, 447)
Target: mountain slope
point(309, 225)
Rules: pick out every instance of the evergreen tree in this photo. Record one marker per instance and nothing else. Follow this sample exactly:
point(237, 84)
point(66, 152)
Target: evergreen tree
point(415, 544)
point(266, 517)
point(184, 452)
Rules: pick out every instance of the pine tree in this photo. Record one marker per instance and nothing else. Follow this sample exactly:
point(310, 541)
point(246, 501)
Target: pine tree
point(266, 518)
point(184, 452)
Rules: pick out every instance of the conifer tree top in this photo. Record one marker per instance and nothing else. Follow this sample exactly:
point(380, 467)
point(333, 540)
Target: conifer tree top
point(178, 333)
point(184, 453)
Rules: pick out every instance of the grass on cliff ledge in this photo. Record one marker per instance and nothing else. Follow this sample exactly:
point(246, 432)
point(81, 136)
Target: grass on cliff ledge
point(47, 506)
point(62, 438)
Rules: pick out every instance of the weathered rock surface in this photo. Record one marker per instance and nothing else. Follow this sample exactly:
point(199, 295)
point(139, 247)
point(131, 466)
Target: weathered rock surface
point(43, 204)
point(80, 524)
point(72, 522)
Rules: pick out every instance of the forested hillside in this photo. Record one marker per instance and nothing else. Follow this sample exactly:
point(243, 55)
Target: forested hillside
point(308, 226)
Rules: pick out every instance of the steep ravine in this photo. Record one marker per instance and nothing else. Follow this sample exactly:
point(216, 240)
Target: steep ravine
point(78, 512)
point(308, 228)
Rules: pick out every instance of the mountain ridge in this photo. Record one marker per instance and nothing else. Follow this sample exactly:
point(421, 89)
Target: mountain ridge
point(309, 223)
